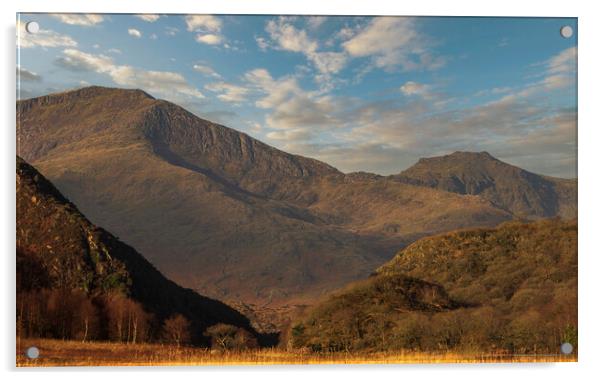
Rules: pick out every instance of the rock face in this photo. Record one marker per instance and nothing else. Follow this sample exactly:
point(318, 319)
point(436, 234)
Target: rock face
point(58, 248)
point(508, 187)
point(225, 214)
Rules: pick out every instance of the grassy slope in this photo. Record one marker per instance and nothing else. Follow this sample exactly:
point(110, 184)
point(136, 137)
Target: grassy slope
point(512, 288)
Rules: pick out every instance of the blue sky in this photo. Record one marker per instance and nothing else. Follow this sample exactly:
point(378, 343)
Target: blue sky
point(360, 93)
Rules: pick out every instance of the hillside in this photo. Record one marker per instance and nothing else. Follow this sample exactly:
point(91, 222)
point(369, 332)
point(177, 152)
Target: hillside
point(58, 248)
point(518, 191)
point(220, 212)
point(513, 288)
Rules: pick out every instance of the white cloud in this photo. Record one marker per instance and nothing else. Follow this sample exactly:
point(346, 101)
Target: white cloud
point(521, 125)
point(171, 31)
point(561, 69)
point(304, 111)
point(114, 51)
point(563, 62)
point(195, 23)
point(287, 37)
point(207, 28)
point(170, 84)
point(153, 36)
point(228, 92)
point(290, 38)
point(148, 17)
point(79, 19)
point(209, 39)
point(559, 73)
point(26, 75)
point(292, 135)
point(77, 60)
point(329, 62)
point(275, 92)
point(165, 82)
point(557, 81)
point(500, 90)
point(314, 22)
point(387, 138)
point(394, 41)
point(344, 34)
point(134, 33)
point(206, 70)
point(262, 43)
point(411, 88)
point(381, 35)
point(43, 38)
point(290, 106)
point(255, 127)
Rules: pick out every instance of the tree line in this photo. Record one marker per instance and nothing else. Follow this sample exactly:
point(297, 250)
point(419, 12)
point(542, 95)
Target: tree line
point(68, 314)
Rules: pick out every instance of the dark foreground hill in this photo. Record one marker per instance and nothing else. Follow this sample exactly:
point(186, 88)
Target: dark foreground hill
point(61, 254)
point(512, 288)
point(220, 212)
point(508, 187)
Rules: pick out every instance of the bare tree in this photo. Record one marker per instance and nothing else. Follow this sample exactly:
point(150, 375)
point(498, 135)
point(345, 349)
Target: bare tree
point(176, 329)
point(222, 335)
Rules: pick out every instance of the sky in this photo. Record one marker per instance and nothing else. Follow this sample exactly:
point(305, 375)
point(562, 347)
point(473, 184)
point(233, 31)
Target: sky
point(368, 94)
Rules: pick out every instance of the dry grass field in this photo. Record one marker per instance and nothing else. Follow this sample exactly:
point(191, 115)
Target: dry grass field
point(72, 353)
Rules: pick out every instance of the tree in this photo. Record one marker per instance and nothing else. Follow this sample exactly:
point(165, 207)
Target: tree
point(222, 335)
point(86, 326)
point(176, 329)
point(126, 319)
point(139, 321)
point(244, 340)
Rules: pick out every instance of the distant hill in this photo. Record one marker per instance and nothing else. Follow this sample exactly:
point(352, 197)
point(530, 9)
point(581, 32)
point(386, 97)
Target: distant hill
point(512, 288)
point(223, 213)
point(58, 248)
point(508, 187)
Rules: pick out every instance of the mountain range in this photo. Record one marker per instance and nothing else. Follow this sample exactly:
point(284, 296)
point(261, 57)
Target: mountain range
point(233, 218)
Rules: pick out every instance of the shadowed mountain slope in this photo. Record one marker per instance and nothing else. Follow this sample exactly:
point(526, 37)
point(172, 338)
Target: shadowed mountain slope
point(510, 288)
point(219, 211)
point(58, 248)
point(518, 191)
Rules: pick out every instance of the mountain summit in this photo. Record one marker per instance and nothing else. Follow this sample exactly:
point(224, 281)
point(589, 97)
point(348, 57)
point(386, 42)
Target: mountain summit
point(508, 187)
point(232, 217)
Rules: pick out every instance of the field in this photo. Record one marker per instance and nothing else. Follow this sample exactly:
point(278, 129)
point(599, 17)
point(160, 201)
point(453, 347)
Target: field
point(73, 353)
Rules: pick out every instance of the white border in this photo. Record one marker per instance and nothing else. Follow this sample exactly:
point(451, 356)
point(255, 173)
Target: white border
point(590, 213)
point(310, 7)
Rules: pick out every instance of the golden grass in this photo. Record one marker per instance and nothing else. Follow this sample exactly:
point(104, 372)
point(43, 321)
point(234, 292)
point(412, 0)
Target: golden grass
point(72, 353)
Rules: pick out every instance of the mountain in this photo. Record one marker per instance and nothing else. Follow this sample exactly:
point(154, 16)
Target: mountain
point(512, 288)
point(220, 212)
point(58, 248)
point(508, 187)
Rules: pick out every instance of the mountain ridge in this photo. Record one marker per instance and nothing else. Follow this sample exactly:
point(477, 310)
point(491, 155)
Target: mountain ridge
point(217, 210)
point(65, 251)
point(508, 187)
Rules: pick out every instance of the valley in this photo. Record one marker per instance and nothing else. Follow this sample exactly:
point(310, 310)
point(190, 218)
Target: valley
point(224, 214)
point(160, 227)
